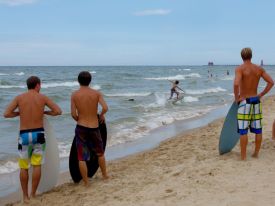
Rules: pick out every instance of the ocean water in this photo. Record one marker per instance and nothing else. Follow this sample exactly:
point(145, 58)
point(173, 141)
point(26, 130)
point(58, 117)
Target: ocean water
point(127, 120)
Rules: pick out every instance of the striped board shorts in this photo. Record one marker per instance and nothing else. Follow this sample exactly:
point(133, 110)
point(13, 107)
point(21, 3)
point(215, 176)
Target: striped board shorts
point(250, 116)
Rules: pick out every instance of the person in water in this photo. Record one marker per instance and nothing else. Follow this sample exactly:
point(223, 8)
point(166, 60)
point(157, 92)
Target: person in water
point(174, 89)
point(84, 108)
point(32, 141)
point(247, 77)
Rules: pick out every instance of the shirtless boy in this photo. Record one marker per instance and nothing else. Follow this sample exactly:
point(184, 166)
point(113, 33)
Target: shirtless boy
point(174, 89)
point(31, 105)
point(247, 77)
point(84, 107)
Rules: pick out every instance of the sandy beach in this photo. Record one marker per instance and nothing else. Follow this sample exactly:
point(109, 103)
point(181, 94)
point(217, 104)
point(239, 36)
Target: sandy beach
point(184, 170)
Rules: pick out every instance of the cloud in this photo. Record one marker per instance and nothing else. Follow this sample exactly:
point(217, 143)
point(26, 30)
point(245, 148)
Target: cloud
point(17, 2)
point(153, 12)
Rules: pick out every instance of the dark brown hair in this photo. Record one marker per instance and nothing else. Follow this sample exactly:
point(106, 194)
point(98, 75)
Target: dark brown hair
point(84, 78)
point(32, 81)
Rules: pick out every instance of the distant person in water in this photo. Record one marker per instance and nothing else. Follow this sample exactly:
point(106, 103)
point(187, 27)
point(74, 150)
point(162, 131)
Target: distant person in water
point(31, 105)
point(227, 72)
point(84, 108)
point(247, 77)
point(174, 89)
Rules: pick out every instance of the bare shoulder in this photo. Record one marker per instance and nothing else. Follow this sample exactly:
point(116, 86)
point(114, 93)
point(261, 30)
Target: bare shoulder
point(260, 69)
point(95, 92)
point(22, 96)
point(239, 68)
point(43, 97)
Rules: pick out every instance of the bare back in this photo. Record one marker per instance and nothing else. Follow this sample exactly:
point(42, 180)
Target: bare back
point(31, 108)
point(85, 101)
point(250, 75)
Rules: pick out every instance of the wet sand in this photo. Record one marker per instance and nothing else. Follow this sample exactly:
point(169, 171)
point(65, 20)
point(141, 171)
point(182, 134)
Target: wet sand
point(183, 170)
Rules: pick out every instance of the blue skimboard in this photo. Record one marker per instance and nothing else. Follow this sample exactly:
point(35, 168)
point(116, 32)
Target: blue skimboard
point(229, 135)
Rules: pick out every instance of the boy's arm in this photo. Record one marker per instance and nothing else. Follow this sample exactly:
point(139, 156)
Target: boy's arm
point(104, 107)
point(237, 81)
point(54, 108)
point(180, 88)
point(9, 112)
point(73, 109)
point(269, 82)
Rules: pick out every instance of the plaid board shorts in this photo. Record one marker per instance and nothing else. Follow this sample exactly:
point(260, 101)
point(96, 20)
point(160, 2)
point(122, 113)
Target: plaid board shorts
point(250, 116)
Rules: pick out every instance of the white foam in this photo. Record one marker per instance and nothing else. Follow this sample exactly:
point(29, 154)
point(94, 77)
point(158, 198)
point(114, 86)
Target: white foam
point(19, 73)
point(177, 77)
point(134, 130)
point(190, 99)
point(8, 167)
point(160, 101)
point(96, 87)
point(50, 85)
point(60, 84)
point(227, 78)
point(11, 86)
point(186, 69)
point(92, 72)
point(205, 91)
point(142, 94)
point(195, 75)
point(3, 74)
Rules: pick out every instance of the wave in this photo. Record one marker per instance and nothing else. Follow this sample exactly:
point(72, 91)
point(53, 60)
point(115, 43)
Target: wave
point(19, 73)
point(11, 86)
point(205, 91)
point(92, 72)
point(186, 69)
point(96, 87)
point(60, 84)
point(3, 74)
point(227, 78)
point(190, 99)
point(178, 77)
point(8, 167)
point(150, 121)
point(50, 85)
point(142, 94)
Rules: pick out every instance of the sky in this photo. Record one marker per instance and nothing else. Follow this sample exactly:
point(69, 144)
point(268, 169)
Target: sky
point(135, 32)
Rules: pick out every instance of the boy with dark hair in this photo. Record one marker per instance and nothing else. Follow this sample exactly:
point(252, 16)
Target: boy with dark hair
point(173, 89)
point(84, 107)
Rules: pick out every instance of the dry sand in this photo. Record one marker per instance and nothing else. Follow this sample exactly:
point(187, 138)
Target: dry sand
point(184, 170)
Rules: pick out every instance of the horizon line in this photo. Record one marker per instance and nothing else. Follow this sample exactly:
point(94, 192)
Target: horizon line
point(141, 65)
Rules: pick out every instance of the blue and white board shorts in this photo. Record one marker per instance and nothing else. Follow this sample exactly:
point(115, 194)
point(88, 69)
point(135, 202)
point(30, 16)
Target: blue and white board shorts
point(31, 147)
point(250, 116)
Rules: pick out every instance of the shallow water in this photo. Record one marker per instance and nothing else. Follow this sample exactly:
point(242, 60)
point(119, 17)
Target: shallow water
point(147, 87)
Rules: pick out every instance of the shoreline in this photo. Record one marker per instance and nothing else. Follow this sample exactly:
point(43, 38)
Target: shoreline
point(153, 176)
point(146, 143)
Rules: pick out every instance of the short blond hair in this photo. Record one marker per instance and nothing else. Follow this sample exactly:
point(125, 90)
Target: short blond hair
point(246, 53)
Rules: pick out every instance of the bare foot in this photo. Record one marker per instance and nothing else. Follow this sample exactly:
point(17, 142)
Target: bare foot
point(105, 177)
point(85, 184)
point(26, 200)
